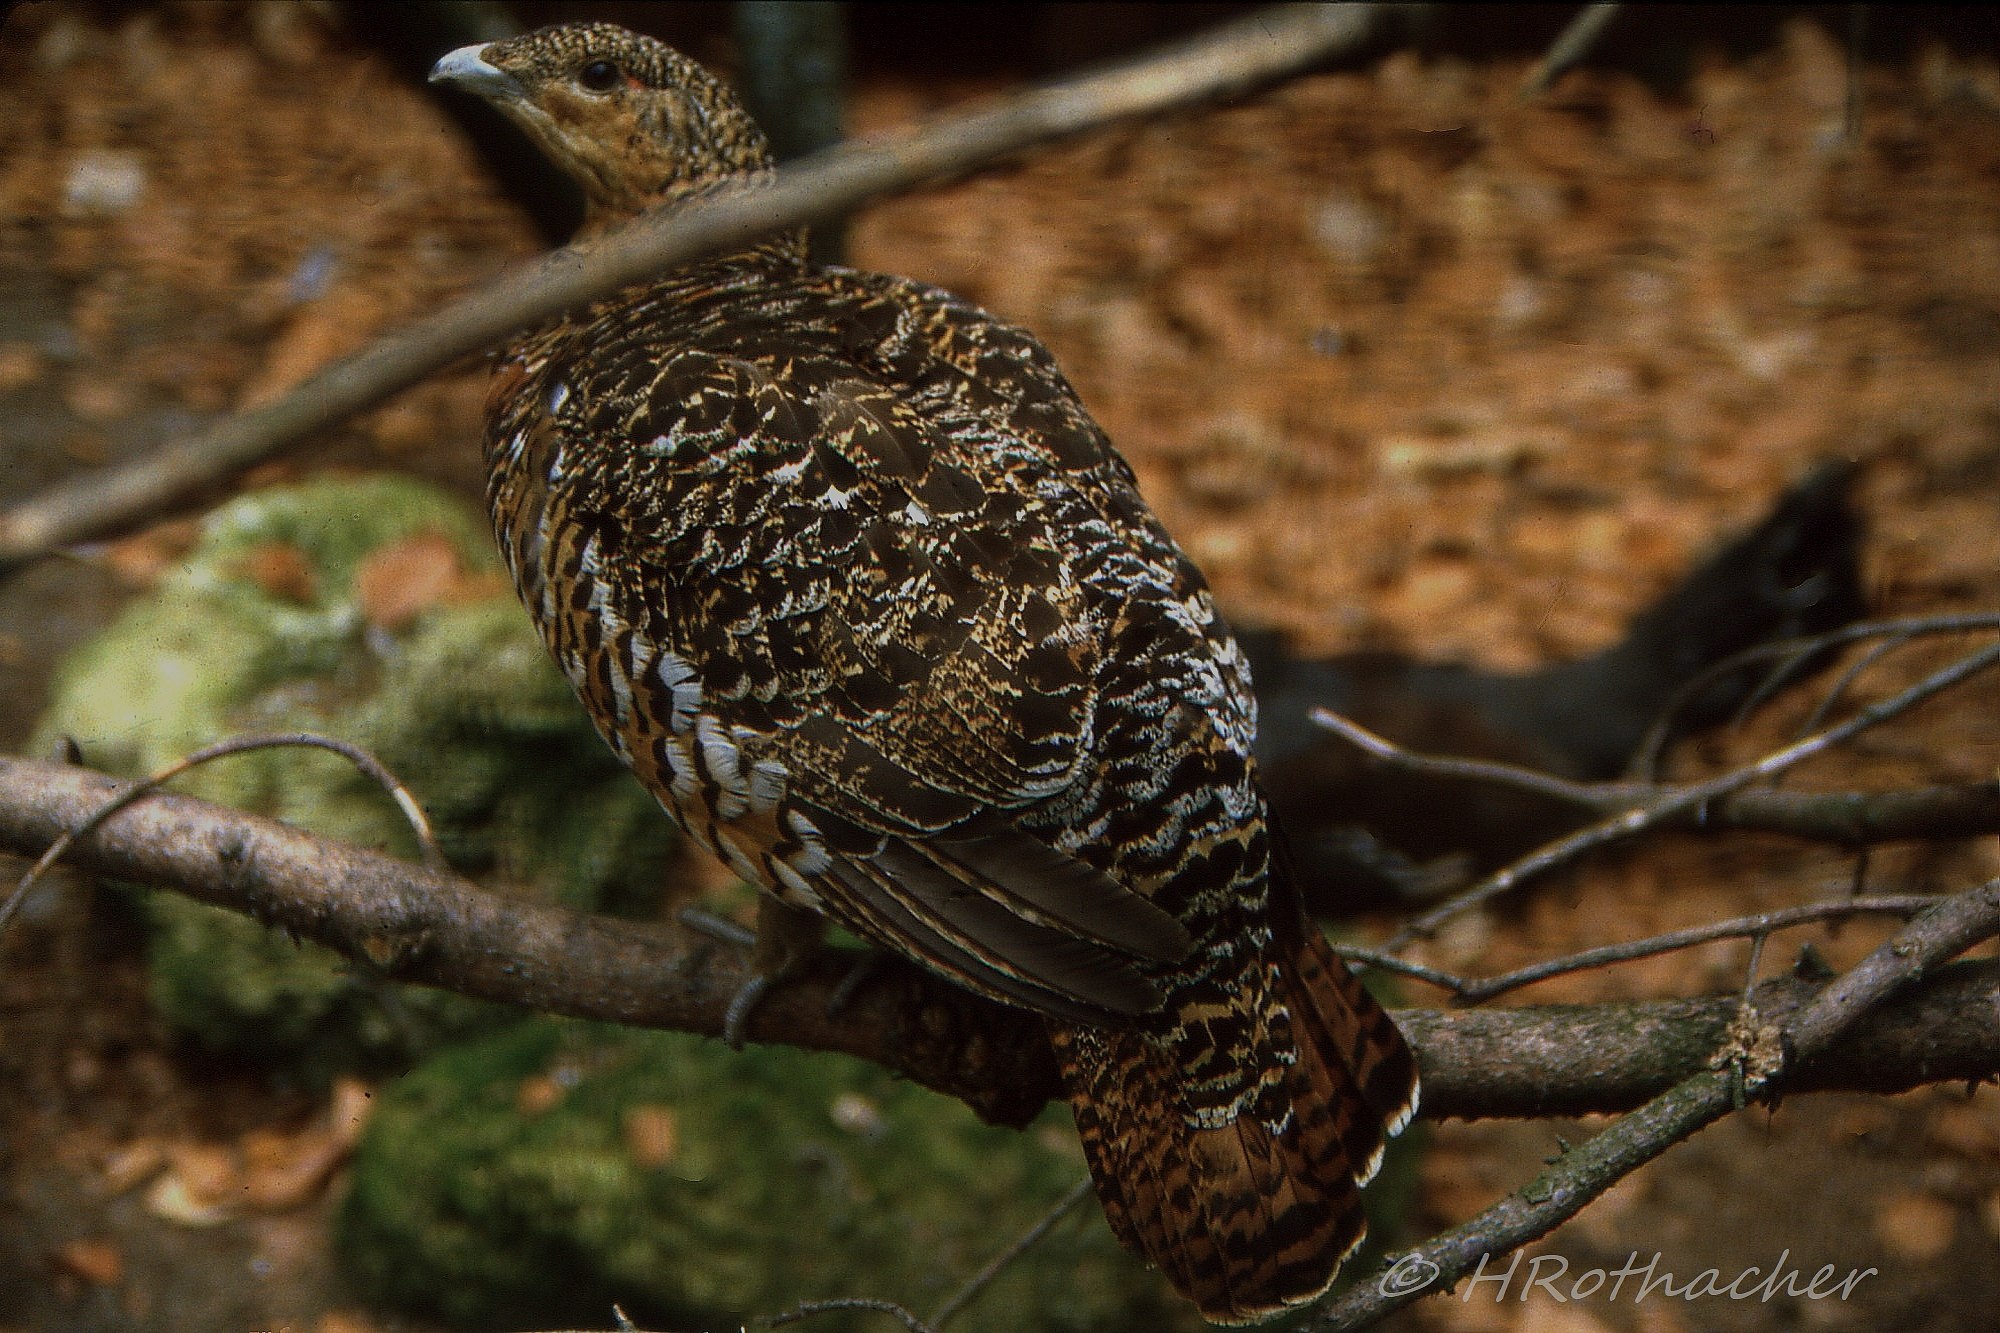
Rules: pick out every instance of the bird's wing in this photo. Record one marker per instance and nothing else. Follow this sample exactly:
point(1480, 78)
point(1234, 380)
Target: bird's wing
point(889, 636)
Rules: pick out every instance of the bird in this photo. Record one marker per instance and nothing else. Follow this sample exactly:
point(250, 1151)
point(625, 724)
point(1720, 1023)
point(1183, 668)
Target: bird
point(844, 571)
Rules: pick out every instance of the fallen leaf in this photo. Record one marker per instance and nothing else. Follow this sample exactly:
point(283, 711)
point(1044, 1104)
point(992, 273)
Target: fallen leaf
point(170, 1199)
point(96, 1261)
point(404, 579)
point(652, 1135)
point(280, 570)
point(1915, 1227)
point(537, 1095)
point(287, 1170)
point(133, 1164)
point(348, 1112)
point(140, 560)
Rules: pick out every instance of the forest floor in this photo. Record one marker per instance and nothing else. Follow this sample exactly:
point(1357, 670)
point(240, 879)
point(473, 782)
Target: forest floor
point(1404, 364)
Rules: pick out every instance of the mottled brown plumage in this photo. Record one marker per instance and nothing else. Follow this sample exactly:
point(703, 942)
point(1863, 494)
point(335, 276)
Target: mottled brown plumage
point(847, 575)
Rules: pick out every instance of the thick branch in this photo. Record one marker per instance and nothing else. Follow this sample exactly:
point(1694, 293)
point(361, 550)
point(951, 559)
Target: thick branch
point(418, 925)
point(422, 926)
point(1570, 1060)
point(1240, 56)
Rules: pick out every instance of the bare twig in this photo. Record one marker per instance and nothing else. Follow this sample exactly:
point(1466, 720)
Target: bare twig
point(1692, 798)
point(1591, 796)
point(959, 1299)
point(873, 1304)
point(1852, 819)
point(1569, 47)
point(1845, 681)
point(1477, 990)
point(997, 1265)
point(1646, 759)
point(371, 768)
point(1585, 1172)
point(1265, 46)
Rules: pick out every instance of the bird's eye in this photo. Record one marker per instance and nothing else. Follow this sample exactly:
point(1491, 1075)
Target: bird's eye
point(600, 76)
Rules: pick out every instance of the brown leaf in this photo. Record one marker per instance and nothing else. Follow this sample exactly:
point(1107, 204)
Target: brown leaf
point(96, 1261)
point(652, 1135)
point(132, 1164)
point(404, 579)
point(537, 1095)
point(281, 571)
point(286, 1170)
point(348, 1113)
point(1915, 1227)
point(140, 560)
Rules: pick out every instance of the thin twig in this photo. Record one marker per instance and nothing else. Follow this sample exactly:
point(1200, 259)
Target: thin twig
point(368, 764)
point(1763, 923)
point(1851, 819)
point(1690, 798)
point(1263, 47)
point(1586, 794)
point(807, 1309)
point(1570, 47)
point(1645, 761)
point(1403, 967)
point(1477, 990)
point(1845, 681)
point(997, 1265)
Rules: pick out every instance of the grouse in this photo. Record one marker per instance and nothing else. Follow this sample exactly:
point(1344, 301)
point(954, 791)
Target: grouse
point(845, 573)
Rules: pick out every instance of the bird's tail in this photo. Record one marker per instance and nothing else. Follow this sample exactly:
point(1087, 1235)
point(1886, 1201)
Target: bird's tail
point(1230, 1136)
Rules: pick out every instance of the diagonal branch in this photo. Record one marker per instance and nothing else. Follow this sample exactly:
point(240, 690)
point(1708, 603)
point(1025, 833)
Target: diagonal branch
point(1265, 46)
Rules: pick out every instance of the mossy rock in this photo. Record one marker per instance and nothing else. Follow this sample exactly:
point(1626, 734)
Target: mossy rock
point(698, 1187)
point(288, 615)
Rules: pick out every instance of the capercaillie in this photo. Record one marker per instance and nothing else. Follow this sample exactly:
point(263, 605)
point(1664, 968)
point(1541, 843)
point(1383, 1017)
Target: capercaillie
point(847, 575)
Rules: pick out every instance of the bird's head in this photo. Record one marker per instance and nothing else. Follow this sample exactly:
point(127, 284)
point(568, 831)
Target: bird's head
point(633, 121)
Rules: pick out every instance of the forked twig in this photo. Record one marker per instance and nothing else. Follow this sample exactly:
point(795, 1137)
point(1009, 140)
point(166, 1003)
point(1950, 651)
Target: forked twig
point(959, 1299)
point(1690, 798)
point(1646, 759)
point(1587, 794)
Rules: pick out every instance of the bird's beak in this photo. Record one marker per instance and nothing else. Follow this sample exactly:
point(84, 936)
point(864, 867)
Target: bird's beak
point(466, 68)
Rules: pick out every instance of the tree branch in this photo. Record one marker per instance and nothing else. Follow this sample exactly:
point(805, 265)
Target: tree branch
point(423, 926)
point(1804, 1039)
point(1680, 804)
point(1236, 58)
point(1848, 818)
point(413, 924)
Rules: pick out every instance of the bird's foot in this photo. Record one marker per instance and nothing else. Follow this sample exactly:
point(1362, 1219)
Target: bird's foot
point(784, 945)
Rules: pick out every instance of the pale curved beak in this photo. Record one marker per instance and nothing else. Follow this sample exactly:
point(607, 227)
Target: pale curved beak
point(467, 69)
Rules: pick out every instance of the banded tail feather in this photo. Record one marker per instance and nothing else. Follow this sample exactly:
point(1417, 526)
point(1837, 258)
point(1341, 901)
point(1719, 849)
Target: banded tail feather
point(1252, 1213)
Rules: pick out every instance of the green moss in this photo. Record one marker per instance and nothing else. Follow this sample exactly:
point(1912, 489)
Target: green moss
point(461, 703)
point(790, 1177)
